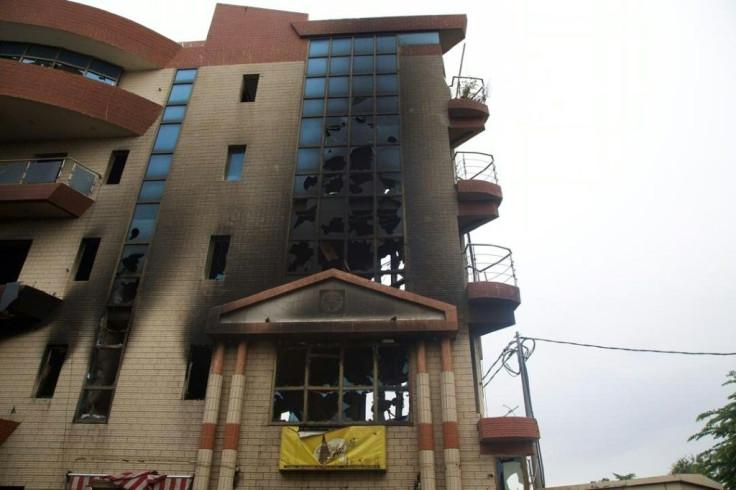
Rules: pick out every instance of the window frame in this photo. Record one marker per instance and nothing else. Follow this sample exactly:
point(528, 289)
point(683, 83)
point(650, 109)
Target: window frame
point(232, 151)
point(216, 240)
point(250, 82)
point(195, 351)
point(44, 369)
point(341, 388)
point(86, 257)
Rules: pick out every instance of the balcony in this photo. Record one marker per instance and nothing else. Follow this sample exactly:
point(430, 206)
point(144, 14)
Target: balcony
point(467, 110)
point(478, 192)
point(23, 306)
point(512, 436)
point(492, 291)
point(45, 188)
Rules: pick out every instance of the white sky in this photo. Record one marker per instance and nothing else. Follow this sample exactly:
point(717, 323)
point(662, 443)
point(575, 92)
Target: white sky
point(612, 128)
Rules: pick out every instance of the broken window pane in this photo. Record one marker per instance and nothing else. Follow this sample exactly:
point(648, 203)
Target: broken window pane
point(306, 185)
point(361, 183)
point(389, 104)
point(391, 254)
point(363, 85)
point(393, 366)
point(340, 47)
point(311, 131)
point(387, 129)
point(331, 255)
point(393, 406)
point(361, 158)
point(324, 371)
point(132, 260)
point(219, 245)
point(389, 215)
point(288, 406)
point(314, 88)
point(313, 107)
point(144, 221)
point(336, 130)
point(362, 64)
point(362, 104)
point(124, 290)
point(358, 369)
point(104, 368)
point(318, 48)
point(333, 185)
point(307, 160)
point(95, 405)
point(303, 216)
point(332, 217)
point(388, 158)
point(334, 160)
point(360, 217)
point(357, 406)
point(340, 65)
point(322, 406)
point(360, 255)
point(301, 257)
point(317, 67)
point(337, 106)
point(393, 279)
point(290, 367)
point(361, 130)
point(390, 183)
point(338, 87)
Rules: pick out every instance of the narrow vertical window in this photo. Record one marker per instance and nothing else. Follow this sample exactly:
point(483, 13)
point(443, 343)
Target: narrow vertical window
point(13, 255)
point(86, 258)
point(116, 166)
point(48, 372)
point(217, 260)
point(235, 162)
point(198, 370)
point(250, 86)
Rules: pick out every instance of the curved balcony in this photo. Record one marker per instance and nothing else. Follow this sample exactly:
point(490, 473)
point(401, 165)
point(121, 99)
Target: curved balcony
point(39, 103)
point(467, 110)
point(493, 295)
point(478, 192)
point(513, 436)
point(45, 188)
point(87, 30)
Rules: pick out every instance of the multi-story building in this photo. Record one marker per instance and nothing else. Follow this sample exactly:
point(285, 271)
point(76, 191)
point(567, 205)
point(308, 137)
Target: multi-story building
point(243, 262)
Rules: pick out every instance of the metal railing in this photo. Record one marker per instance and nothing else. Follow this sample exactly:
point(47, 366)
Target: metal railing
point(48, 170)
point(469, 88)
point(489, 263)
point(474, 165)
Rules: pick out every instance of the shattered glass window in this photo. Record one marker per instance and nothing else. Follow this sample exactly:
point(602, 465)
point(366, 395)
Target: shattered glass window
point(341, 384)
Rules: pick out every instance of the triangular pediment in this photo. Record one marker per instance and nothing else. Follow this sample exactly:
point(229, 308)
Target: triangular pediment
point(332, 302)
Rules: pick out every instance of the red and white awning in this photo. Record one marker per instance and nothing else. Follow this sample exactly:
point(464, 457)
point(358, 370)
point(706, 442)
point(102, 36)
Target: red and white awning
point(131, 481)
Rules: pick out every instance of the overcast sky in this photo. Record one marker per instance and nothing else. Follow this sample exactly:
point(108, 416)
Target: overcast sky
point(612, 126)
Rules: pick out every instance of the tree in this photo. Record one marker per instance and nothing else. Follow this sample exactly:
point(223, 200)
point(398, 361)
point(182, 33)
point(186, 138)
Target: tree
point(718, 462)
point(688, 464)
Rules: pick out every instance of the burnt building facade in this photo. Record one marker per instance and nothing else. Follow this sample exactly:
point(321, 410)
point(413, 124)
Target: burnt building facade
point(245, 262)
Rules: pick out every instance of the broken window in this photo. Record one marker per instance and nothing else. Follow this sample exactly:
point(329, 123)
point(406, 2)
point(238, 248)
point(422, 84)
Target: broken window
point(116, 167)
point(86, 258)
point(198, 370)
point(250, 86)
point(13, 253)
point(512, 473)
point(342, 383)
point(235, 162)
point(49, 371)
point(217, 261)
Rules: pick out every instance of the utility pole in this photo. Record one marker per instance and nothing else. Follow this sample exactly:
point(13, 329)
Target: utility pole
point(537, 456)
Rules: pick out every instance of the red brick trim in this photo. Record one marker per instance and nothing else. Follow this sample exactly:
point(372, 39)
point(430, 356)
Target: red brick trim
point(207, 436)
point(218, 359)
point(450, 436)
point(67, 21)
point(421, 50)
point(424, 433)
point(467, 109)
point(493, 290)
point(478, 190)
point(421, 357)
point(232, 436)
point(491, 429)
point(507, 448)
point(52, 200)
point(446, 352)
point(240, 360)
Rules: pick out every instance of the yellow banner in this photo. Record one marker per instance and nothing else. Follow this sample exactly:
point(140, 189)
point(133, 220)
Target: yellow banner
point(347, 448)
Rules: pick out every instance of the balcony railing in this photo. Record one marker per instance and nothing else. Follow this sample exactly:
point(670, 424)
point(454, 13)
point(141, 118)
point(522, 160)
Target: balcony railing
point(49, 170)
point(472, 165)
point(490, 263)
point(469, 88)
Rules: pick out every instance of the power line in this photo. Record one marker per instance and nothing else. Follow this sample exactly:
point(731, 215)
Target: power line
point(630, 349)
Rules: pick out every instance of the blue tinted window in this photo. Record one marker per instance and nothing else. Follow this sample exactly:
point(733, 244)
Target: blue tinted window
point(317, 67)
point(158, 167)
point(314, 87)
point(152, 190)
point(235, 161)
point(363, 64)
point(45, 52)
point(338, 86)
point(340, 65)
point(388, 158)
point(386, 63)
point(363, 45)
point(387, 129)
point(362, 105)
point(174, 113)
point(144, 221)
point(13, 50)
point(318, 48)
point(387, 104)
point(168, 134)
point(307, 160)
point(336, 130)
point(340, 47)
point(313, 107)
point(183, 76)
point(387, 84)
point(103, 68)
point(419, 38)
point(72, 58)
point(386, 44)
point(311, 131)
point(363, 85)
point(180, 94)
point(337, 107)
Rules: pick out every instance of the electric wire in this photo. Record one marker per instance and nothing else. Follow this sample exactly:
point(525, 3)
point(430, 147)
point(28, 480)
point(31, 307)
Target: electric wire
point(630, 349)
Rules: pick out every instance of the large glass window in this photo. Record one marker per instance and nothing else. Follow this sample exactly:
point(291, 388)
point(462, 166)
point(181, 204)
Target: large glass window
point(333, 384)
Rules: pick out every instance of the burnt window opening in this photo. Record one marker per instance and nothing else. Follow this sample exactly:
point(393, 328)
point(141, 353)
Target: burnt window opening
point(217, 259)
point(95, 401)
point(116, 166)
point(336, 384)
point(13, 255)
point(250, 86)
point(235, 162)
point(512, 473)
point(86, 258)
point(198, 370)
point(49, 371)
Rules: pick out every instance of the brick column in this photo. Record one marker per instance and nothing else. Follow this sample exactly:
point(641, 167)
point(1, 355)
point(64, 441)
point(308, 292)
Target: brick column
point(450, 437)
point(232, 424)
point(209, 421)
point(424, 421)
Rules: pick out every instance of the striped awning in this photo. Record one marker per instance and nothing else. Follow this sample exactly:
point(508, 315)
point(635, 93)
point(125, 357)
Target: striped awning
point(130, 481)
